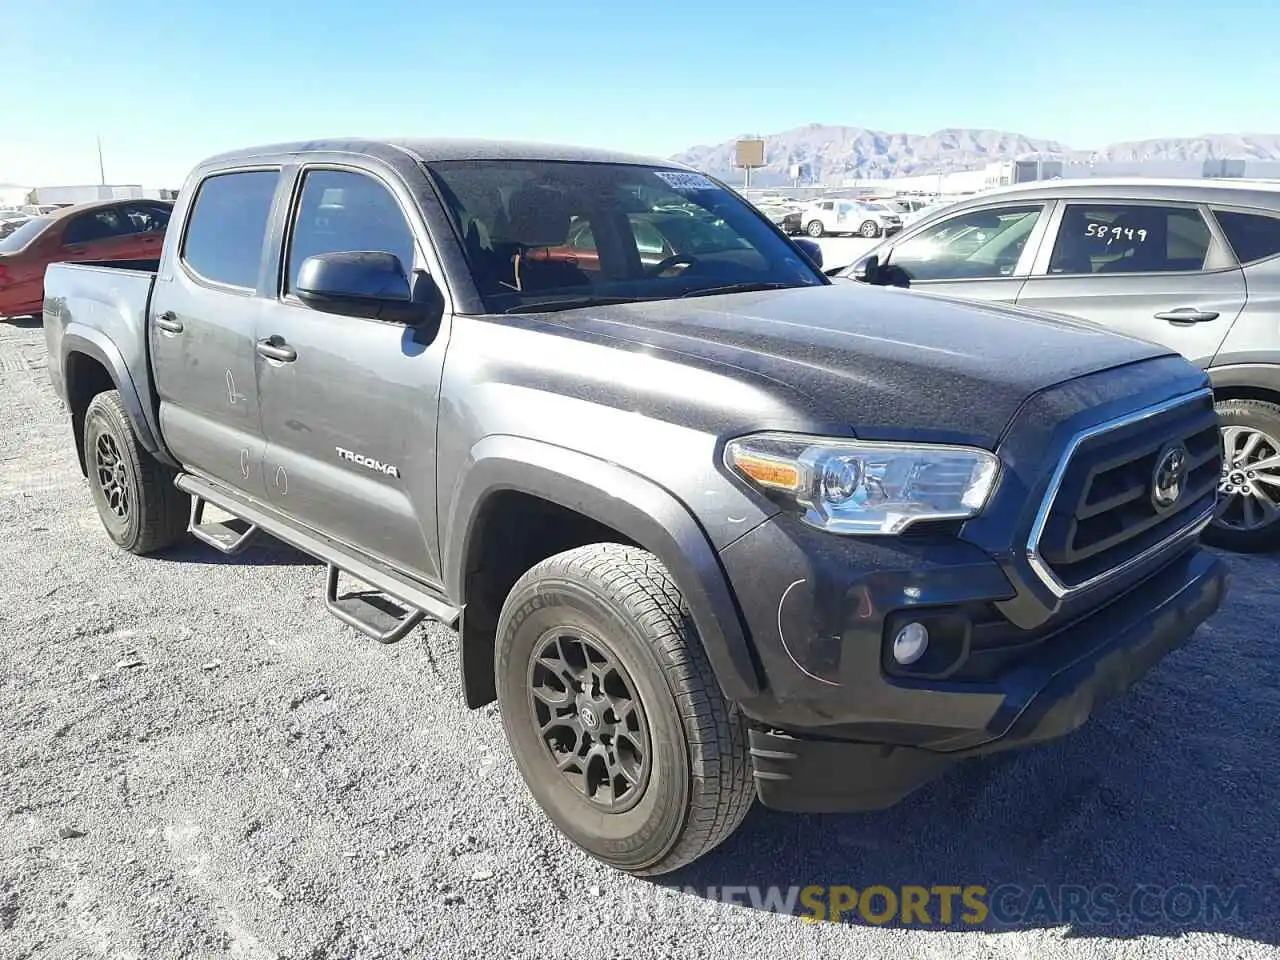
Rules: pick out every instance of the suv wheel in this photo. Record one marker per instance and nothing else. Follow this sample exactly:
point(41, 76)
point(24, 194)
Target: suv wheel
point(137, 502)
point(870, 229)
point(814, 229)
point(1248, 517)
point(612, 712)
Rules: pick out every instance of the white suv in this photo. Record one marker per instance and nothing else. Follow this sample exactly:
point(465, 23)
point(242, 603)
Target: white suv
point(849, 216)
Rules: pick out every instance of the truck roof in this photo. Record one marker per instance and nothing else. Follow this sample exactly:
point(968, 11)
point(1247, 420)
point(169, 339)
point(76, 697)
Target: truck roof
point(429, 149)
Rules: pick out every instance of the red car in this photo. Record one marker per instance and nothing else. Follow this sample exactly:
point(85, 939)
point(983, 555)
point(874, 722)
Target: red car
point(106, 230)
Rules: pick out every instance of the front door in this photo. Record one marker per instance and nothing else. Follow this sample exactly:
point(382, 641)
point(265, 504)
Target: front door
point(1156, 271)
point(204, 309)
point(349, 404)
point(979, 254)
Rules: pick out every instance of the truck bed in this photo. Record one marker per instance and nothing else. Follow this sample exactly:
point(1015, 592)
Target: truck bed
point(100, 308)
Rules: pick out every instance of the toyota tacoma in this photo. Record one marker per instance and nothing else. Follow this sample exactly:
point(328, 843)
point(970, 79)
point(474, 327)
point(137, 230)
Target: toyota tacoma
point(710, 527)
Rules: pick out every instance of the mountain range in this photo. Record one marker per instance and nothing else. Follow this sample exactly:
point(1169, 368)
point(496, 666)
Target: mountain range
point(834, 153)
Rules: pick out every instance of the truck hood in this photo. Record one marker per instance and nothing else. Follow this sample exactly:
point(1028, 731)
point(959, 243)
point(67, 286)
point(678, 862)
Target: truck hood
point(888, 363)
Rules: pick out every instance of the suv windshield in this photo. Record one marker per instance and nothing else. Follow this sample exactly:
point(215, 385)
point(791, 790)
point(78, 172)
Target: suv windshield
point(23, 235)
point(544, 231)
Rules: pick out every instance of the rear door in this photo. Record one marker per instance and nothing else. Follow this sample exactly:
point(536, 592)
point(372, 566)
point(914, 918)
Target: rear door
point(1159, 271)
point(206, 302)
point(99, 234)
point(350, 415)
point(983, 253)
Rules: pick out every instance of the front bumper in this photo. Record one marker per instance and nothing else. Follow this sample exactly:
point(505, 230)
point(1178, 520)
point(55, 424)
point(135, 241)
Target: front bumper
point(852, 737)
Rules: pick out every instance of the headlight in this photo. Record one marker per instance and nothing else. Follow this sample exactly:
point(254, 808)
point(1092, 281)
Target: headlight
point(860, 487)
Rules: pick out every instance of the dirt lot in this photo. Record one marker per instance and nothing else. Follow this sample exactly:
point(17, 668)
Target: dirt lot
point(196, 761)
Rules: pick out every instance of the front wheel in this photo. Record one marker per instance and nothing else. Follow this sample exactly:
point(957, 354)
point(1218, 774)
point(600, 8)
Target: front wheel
point(1248, 518)
point(870, 229)
point(612, 712)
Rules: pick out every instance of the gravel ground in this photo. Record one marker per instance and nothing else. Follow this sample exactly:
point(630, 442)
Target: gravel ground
point(195, 760)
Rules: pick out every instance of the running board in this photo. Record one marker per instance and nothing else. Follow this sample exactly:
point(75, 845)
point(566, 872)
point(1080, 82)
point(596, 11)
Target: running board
point(368, 616)
point(225, 536)
point(416, 598)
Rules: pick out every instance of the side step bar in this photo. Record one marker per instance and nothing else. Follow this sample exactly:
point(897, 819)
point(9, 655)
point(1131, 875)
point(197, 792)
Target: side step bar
point(367, 615)
point(228, 536)
point(355, 611)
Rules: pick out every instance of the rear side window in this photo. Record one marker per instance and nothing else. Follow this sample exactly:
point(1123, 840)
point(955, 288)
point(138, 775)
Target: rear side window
point(1129, 238)
point(228, 226)
point(1252, 236)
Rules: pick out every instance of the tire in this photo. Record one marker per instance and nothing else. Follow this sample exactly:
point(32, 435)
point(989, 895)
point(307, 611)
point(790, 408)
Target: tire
point(692, 775)
point(869, 229)
point(137, 502)
point(1240, 421)
point(814, 229)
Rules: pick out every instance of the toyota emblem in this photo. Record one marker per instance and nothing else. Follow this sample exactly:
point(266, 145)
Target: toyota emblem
point(1169, 478)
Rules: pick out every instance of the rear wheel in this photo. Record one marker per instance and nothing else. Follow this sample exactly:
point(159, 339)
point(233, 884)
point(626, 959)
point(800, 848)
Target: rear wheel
point(1248, 518)
point(870, 229)
point(814, 229)
point(613, 714)
point(137, 502)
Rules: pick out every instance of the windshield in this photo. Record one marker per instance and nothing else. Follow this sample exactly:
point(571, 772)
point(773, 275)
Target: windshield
point(538, 231)
point(24, 235)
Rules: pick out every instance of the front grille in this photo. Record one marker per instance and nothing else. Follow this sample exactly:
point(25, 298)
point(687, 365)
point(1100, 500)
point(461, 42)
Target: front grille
point(1103, 514)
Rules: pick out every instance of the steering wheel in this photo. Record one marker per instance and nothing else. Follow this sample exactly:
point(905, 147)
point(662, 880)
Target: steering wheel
point(662, 266)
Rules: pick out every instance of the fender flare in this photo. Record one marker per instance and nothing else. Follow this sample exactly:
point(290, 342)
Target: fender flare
point(78, 338)
point(636, 507)
point(1260, 376)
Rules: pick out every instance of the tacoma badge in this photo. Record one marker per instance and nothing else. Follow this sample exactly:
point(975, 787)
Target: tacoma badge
point(389, 469)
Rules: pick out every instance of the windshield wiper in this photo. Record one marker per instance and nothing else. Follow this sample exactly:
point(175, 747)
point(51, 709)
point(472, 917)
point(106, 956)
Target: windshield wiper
point(747, 286)
point(570, 303)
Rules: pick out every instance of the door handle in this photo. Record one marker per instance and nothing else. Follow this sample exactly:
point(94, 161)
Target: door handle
point(169, 322)
point(1187, 315)
point(273, 348)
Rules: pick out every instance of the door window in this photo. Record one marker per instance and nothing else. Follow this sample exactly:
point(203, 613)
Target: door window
point(975, 245)
point(341, 211)
point(96, 225)
point(1129, 238)
point(648, 239)
point(146, 217)
point(228, 226)
point(1252, 236)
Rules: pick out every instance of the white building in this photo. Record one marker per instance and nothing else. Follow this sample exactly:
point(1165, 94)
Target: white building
point(13, 195)
point(1007, 172)
point(97, 191)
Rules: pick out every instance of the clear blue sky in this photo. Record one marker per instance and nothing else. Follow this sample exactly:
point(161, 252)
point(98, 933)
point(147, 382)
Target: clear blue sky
point(166, 83)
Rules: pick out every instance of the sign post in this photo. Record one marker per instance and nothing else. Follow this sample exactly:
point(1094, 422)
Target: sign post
point(748, 153)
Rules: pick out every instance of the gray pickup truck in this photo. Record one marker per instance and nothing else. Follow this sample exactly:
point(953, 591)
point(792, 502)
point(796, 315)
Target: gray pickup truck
point(710, 527)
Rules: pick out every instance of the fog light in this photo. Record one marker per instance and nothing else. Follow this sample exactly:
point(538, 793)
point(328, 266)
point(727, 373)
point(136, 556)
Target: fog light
point(910, 643)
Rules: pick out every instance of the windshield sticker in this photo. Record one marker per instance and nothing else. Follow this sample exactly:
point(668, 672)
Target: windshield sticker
point(678, 180)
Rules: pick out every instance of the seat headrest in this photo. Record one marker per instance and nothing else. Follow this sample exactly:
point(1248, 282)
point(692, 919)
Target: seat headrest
point(537, 217)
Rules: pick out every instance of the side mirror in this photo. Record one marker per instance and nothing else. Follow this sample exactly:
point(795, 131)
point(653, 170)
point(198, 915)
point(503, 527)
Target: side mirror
point(811, 250)
point(871, 270)
point(368, 284)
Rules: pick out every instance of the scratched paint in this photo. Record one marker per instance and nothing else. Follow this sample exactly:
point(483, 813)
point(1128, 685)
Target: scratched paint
point(282, 481)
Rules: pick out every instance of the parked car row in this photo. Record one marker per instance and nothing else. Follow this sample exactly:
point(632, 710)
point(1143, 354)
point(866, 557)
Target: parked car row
point(1193, 265)
point(107, 230)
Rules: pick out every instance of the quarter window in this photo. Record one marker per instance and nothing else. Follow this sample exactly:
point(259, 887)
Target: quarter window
point(228, 226)
point(1252, 236)
point(975, 245)
point(1129, 238)
point(340, 212)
